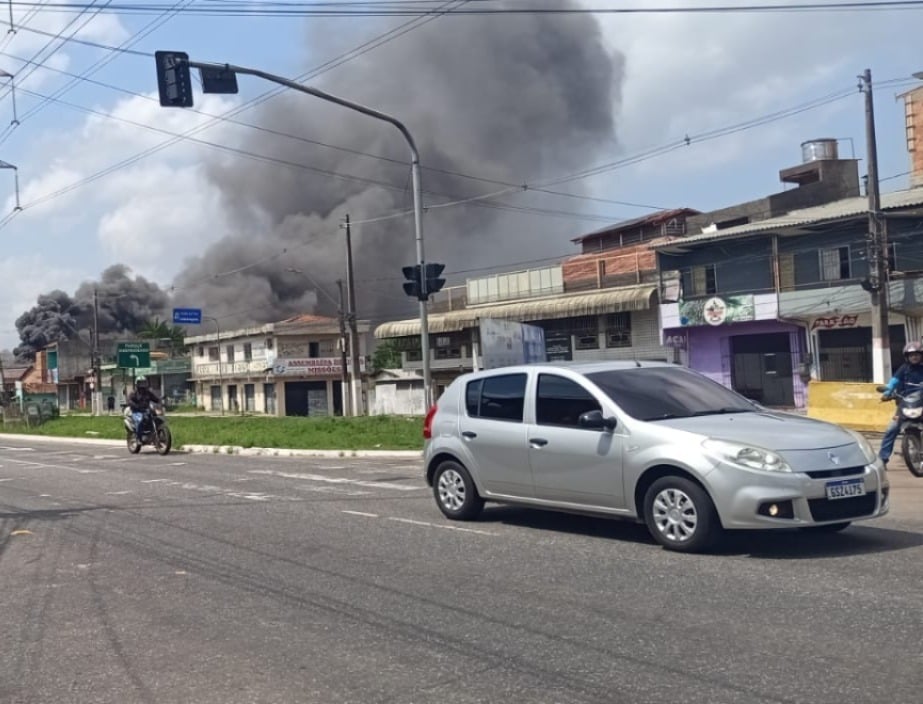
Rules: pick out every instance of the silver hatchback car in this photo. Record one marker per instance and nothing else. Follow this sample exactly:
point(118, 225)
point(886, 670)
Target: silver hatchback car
point(649, 441)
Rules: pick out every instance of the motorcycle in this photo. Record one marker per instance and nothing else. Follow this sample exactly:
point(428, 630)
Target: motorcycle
point(910, 411)
point(154, 430)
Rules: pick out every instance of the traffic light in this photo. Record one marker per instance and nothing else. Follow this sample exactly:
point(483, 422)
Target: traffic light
point(173, 80)
point(413, 287)
point(423, 279)
point(433, 282)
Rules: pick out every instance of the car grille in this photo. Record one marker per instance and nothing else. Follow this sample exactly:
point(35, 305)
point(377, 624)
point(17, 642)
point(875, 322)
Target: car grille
point(842, 509)
point(839, 472)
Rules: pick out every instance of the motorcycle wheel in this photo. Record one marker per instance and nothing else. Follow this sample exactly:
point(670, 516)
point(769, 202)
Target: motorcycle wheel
point(912, 450)
point(134, 447)
point(163, 440)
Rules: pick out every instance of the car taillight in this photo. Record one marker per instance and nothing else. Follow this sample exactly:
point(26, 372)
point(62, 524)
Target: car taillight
point(428, 422)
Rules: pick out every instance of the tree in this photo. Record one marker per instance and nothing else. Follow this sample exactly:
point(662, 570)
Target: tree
point(157, 329)
point(386, 356)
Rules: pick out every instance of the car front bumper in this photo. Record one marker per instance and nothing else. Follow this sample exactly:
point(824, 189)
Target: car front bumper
point(750, 499)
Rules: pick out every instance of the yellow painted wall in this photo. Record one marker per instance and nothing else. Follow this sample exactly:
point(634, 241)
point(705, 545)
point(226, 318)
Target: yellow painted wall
point(855, 405)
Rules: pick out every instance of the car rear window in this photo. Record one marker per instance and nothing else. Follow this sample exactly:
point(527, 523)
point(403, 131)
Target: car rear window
point(497, 397)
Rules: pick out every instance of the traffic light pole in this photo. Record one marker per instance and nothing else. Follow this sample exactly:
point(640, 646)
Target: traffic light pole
point(415, 174)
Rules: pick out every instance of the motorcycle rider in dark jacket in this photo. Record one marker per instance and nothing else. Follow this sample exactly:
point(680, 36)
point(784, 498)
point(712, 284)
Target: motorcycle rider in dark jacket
point(139, 401)
point(909, 373)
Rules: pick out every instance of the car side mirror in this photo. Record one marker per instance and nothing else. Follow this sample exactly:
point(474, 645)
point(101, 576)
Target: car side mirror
point(594, 420)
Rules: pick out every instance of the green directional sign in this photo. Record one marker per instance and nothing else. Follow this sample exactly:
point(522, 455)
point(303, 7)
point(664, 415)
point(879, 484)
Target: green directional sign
point(132, 355)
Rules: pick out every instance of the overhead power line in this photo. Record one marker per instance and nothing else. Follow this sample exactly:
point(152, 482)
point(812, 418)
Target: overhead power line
point(423, 8)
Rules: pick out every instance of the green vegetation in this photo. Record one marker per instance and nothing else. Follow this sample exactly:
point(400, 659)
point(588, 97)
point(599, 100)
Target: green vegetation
point(364, 433)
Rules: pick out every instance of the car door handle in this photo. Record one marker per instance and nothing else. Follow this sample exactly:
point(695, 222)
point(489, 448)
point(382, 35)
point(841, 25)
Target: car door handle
point(538, 442)
point(467, 434)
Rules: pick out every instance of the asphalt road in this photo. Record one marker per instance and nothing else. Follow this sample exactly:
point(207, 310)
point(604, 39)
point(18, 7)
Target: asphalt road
point(221, 579)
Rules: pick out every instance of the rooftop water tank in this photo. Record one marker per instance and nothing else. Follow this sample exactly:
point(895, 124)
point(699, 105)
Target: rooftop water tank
point(818, 149)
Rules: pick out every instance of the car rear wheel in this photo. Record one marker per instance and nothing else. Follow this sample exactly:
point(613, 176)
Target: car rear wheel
point(455, 493)
point(680, 515)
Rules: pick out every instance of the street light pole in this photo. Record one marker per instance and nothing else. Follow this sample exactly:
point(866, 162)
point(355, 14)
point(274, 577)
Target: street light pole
point(220, 375)
point(415, 174)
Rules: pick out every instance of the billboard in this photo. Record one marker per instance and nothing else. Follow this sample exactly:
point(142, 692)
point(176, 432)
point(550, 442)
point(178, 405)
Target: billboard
point(506, 342)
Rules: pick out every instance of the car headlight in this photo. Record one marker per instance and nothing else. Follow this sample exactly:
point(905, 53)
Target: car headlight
point(912, 412)
point(864, 445)
point(747, 456)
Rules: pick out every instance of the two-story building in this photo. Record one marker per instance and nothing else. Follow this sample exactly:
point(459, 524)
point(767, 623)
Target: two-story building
point(598, 304)
point(765, 305)
point(289, 368)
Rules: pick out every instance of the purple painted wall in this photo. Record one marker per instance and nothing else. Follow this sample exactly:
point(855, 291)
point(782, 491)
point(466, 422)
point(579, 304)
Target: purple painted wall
point(709, 349)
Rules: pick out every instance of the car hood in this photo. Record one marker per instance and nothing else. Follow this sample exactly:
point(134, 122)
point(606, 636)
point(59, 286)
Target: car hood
point(773, 431)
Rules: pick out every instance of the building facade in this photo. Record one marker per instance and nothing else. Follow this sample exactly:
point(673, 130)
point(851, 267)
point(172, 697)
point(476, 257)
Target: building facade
point(599, 304)
point(764, 307)
point(290, 368)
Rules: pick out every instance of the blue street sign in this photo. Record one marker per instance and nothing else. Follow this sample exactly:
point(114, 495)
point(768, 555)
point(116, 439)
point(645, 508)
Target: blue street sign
point(188, 316)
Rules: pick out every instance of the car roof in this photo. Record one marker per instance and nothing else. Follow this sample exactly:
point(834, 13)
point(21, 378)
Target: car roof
point(582, 367)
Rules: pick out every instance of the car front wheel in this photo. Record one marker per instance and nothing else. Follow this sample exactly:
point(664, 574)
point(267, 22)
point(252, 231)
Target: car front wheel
point(455, 493)
point(680, 515)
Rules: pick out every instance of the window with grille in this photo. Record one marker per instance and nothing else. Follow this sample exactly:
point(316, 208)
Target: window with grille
point(618, 330)
point(586, 332)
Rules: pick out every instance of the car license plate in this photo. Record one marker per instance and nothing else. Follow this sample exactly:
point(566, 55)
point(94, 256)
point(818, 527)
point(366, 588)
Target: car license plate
point(845, 488)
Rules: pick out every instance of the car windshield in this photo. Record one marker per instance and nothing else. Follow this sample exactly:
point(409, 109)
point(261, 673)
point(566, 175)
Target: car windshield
point(659, 393)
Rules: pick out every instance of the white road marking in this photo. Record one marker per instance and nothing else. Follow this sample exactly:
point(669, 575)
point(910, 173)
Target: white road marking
point(17, 449)
point(438, 525)
point(56, 466)
point(117, 493)
point(362, 513)
point(153, 481)
point(333, 480)
point(7, 479)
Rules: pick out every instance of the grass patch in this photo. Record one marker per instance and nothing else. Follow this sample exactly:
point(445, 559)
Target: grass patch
point(363, 433)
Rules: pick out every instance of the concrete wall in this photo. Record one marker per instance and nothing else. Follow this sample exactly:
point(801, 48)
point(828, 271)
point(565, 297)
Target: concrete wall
point(854, 405)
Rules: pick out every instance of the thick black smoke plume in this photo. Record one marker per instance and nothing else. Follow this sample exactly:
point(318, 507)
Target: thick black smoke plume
point(508, 99)
point(124, 305)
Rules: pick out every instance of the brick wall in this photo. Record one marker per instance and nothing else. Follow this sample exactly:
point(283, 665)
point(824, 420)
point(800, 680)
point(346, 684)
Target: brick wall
point(620, 267)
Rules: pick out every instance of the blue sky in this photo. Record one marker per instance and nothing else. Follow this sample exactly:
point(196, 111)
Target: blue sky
point(684, 74)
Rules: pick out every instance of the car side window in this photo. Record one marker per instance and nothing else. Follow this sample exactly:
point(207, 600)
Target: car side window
point(497, 397)
point(561, 401)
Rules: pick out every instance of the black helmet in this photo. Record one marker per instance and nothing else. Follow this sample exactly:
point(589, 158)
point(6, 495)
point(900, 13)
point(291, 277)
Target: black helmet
point(142, 383)
point(912, 347)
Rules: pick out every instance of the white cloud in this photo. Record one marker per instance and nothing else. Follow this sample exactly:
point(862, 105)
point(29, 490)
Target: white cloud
point(165, 214)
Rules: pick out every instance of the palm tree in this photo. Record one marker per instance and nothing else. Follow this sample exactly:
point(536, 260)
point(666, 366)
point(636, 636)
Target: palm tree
point(157, 329)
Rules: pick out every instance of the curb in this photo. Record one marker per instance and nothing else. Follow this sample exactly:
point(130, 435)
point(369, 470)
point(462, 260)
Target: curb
point(228, 449)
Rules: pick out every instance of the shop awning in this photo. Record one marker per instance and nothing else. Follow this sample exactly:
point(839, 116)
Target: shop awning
point(615, 300)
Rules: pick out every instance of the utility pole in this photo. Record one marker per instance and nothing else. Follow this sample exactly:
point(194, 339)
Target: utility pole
point(344, 383)
point(96, 401)
point(356, 377)
point(220, 374)
point(877, 247)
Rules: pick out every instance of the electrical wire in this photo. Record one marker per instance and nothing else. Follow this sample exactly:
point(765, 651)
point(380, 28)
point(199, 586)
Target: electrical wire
point(423, 9)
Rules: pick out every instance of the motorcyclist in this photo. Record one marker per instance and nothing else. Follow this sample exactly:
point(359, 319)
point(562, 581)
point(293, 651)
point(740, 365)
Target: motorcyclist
point(139, 401)
point(911, 372)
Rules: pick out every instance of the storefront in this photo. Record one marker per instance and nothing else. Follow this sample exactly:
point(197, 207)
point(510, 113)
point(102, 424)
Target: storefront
point(724, 338)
